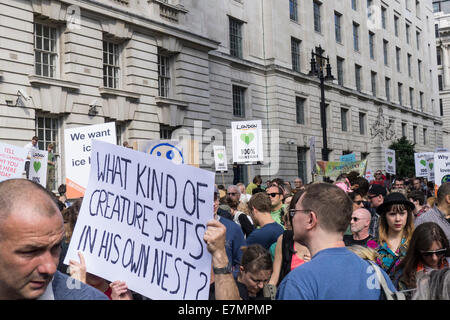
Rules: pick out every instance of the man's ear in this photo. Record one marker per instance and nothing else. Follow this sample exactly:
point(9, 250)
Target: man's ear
point(312, 223)
point(447, 198)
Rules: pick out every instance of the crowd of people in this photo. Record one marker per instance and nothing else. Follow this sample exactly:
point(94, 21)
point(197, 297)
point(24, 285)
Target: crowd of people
point(343, 239)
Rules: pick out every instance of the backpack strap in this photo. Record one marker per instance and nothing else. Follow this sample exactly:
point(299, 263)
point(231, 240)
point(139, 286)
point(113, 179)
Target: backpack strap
point(387, 292)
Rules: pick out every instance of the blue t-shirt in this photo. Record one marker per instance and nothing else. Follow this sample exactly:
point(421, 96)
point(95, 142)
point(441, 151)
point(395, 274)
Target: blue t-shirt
point(266, 235)
point(234, 240)
point(332, 274)
point(65, 288)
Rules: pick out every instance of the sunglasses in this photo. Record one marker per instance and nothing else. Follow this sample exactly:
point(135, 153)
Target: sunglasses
point(273, 195)
point(355, 219)
point(439, 253)
point(371, 197)
point(231, 193)
point(358, 202)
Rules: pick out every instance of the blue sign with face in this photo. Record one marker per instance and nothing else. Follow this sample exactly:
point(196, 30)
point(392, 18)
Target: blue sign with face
point(168, 151)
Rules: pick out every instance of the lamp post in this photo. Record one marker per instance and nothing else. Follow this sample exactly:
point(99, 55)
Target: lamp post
point(317, 66)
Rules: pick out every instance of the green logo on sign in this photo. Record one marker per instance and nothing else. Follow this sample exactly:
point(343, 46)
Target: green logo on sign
point(36, 166)
point(431, 165)
point(390, 159)
point(423, 162)
point(247, 137)
point(220, 156)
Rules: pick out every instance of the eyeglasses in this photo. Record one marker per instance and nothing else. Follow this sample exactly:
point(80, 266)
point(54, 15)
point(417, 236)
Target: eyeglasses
point(439, 253)
point(355, 219)
point(292, 212)
point(273, 195)
point(371, 197)
point(232, 193)
point(358, 202)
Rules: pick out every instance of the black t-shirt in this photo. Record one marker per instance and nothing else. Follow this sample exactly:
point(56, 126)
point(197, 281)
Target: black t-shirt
point(349, 241)
point(243, 292)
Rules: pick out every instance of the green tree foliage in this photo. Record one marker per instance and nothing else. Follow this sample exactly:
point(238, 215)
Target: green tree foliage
point(404, 157)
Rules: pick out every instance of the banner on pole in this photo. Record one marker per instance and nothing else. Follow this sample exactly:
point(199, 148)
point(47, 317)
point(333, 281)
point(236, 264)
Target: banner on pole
point(220, 158)
point(334, 169)
point(390, 164)
point(247, 141)
point(38, 167)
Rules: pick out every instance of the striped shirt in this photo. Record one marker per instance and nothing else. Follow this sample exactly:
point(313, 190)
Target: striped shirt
point(437, 216)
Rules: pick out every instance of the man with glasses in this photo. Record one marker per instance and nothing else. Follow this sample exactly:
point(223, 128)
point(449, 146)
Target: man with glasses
point(259, 207)
point(276, 196)
point(319, 220)
point(360, 228)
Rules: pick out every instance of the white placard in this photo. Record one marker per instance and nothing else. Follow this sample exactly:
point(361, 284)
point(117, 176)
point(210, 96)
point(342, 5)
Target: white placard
point(220, 158)
point(247, 141)
point(441, 168)
point(390, 161)
point(420, 162)
point(142, 221)
point(12, 161)
point(78, 154)
point(369, 175)
point(430, 165)
point(38, 167)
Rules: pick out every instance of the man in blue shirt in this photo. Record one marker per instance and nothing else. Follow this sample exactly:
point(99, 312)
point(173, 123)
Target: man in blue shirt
point(269, 231)
point(319, 221)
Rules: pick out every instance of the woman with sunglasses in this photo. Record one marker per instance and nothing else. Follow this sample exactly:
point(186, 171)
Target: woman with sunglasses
point(428, 250)
point(396, 225)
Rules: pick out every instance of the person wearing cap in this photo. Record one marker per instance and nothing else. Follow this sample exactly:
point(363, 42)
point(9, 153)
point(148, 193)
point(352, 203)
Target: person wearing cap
point(376, 196)
point(396, 226)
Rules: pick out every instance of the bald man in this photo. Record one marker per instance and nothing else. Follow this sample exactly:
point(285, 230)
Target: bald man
point(360, 228)
point(31, 233)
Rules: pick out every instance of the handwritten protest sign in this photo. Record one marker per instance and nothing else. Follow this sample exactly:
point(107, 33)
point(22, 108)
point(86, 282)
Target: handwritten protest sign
point(142, 221)
point(220, 158)
point(38, 167)
point(441, 168)
point(335, 168)
point(247, 141)
point(12, 161)
point(78, 154)
point(389, 156)
point(421, 165)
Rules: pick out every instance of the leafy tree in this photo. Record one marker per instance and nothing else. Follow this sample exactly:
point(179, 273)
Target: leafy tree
point(404, 157)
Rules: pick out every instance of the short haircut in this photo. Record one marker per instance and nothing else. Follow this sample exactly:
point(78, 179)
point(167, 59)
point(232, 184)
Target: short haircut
point(417, 195)
point(257, 179)
point(443, 190)
point(260, 202)
point(35, 138)
point(256, 258)
point(363, 185)
point(331, 204)
point(232, 186)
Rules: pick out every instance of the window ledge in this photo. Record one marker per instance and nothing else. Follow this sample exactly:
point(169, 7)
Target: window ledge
point(169, 11)
point(117, 92)
point(168, 101)
point(43, 81)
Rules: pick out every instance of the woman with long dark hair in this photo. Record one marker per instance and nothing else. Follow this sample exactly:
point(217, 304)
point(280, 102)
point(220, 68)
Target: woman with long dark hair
point(428, 250)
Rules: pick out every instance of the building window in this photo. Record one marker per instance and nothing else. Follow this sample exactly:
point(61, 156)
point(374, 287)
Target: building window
point(419, 69)
point(418, 40)
point(362, 123)
point(47, 132)
point(411, 97)
point(424, 136)
point(385, 52)
point(396, 19)
point(441, 107)
point(418, 9)
point(110, 64)
point(364, 155)
point(414, 134)
point(358, 77)
point(163, 75)
point(440, 83)
point(387, 88)
point(438, 56)
point(383, 17)
point(409, 65)
point(355, 36)
point(238, 101)
point(436, 30)
point(407, 33)
point(372, 45)
point(404, 130)
point(373, 80)
point(293, 11)
point(165, 132)
point(344, 115)
point(340, 71)
point(337, 26)
point(421, 101)
point(369, 8)
point(300, 110)
point(354, 5)
point(295, 52)
point(397, 58)
point(45, 52)
point(400, 93)
point(317, 17)
point(235, 38)
point(301, 163)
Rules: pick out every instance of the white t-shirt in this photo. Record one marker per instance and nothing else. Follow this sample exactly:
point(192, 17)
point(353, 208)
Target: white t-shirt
point(29, 146)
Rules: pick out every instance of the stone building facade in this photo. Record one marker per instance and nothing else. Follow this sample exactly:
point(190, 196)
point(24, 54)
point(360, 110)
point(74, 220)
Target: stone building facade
point(160, 67)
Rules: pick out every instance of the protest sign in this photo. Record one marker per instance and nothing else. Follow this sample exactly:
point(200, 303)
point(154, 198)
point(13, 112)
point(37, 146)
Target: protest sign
point(441, 168)
point(389, 156)
point(348, 158)
point(12, 161)
point(220, 158)
point(369, 175)
point(78, 154)
point(420, 162)
point(38, 167)
point(334, 169)
point(247, 141)
point(441, 150)
point(430, 165)
point(142, 221)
